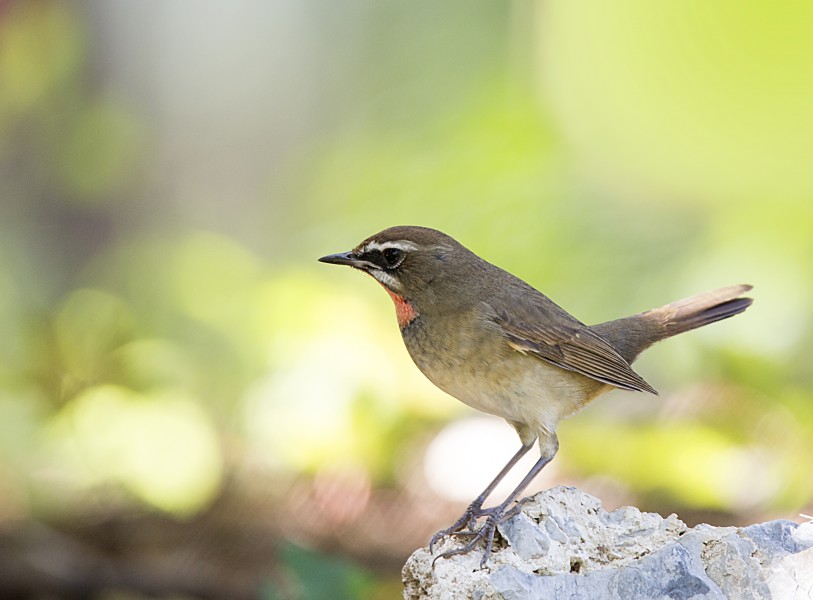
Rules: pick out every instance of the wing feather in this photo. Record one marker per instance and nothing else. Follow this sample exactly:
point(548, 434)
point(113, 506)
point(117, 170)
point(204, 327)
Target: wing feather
point(556, 337)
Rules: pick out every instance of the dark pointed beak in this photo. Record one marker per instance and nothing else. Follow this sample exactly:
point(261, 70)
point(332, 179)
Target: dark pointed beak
point(343, 258)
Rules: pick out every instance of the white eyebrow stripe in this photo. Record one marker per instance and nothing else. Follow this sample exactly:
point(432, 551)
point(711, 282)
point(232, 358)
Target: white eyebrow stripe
point(400, 245)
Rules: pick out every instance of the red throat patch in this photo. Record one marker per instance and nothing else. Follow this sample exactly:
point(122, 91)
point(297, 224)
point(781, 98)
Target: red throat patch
point(404, 311)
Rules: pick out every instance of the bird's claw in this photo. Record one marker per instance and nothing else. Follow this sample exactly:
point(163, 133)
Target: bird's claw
point(466, 522)
point(486, 532)
point(465, 526)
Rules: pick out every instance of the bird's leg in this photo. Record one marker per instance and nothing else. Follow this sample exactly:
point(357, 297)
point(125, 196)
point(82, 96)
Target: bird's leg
point(501, 513)
point(475, 509)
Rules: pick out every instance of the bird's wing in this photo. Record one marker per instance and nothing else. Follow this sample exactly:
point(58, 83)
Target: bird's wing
point(553, 335)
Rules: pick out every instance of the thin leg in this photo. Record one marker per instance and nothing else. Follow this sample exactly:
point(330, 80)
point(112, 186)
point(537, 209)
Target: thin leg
point(526, 481)
point(475, 508)
point(499, 514)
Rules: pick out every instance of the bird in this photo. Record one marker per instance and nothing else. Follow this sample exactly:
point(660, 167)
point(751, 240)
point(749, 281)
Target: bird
point(497, 344)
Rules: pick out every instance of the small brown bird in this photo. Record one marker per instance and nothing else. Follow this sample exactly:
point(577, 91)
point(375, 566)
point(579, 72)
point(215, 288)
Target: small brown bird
point(497, 344)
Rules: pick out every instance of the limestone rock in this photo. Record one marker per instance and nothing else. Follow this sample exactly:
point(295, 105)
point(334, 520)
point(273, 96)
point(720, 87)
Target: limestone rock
point(565, 545)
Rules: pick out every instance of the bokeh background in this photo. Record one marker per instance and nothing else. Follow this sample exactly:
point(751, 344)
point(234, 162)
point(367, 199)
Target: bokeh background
point(192, 407)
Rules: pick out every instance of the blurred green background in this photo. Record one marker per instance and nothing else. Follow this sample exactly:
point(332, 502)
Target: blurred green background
point(192, 406)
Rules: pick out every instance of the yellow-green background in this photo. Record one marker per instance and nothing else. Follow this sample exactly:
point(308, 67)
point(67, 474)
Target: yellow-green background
point(170, 171)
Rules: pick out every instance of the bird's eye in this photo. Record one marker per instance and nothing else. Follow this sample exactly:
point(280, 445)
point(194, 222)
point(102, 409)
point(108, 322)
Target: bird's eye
point(393, 256)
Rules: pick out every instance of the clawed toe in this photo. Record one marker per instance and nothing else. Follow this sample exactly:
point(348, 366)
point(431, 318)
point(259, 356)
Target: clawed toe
point(466, 522)
point(486, 532)
point(494, 516)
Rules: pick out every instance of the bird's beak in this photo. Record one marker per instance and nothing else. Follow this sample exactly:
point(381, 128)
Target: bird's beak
point(343, 258)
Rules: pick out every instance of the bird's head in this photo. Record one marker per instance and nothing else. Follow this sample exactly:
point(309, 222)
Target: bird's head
point(414, 264)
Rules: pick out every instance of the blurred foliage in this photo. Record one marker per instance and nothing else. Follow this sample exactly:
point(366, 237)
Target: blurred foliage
point(317, 577)
point(166, 184)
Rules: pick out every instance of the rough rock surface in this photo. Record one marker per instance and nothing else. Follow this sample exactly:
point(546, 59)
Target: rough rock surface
point(565, 545)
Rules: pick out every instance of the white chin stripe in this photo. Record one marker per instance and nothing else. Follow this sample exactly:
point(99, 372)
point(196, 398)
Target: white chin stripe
point(385, 278)
point(400, 245)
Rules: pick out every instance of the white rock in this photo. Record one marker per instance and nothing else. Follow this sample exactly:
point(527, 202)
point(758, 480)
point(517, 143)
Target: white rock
point(564, 544)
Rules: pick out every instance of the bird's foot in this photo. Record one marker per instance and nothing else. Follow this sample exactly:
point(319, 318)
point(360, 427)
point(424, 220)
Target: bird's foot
point(465, 526)
point(467, 522)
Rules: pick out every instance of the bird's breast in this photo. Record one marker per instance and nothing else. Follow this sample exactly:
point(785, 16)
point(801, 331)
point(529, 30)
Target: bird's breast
point(478, 367)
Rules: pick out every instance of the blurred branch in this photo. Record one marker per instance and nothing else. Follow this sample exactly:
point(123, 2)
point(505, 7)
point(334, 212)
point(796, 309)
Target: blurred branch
point(37, 561)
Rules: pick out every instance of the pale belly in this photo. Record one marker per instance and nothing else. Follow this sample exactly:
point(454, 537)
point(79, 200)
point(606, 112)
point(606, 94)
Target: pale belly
point(496, 379)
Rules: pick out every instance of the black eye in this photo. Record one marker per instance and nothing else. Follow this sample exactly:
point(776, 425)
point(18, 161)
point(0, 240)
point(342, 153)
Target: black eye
point(393, 256)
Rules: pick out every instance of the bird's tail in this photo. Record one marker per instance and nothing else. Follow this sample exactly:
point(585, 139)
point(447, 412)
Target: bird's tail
point(699, 310)
point(632, 335)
